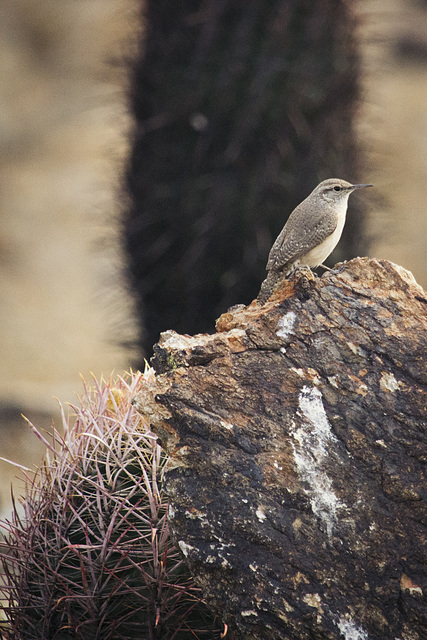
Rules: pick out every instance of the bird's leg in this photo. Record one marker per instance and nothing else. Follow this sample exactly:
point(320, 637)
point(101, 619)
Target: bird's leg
point(325, 267)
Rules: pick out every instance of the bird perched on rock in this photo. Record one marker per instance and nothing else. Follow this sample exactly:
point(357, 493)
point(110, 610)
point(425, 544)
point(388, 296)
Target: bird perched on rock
point(311, 232)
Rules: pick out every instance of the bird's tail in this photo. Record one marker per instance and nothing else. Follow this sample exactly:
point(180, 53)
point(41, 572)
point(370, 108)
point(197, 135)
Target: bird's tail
point(268, 285)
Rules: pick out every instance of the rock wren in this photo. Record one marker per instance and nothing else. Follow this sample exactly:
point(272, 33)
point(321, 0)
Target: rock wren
point(311, 232)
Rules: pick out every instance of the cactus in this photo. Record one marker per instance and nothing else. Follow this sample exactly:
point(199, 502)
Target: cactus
point(91, 556)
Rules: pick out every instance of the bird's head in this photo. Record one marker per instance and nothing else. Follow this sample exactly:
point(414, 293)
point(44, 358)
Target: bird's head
point(335, 190)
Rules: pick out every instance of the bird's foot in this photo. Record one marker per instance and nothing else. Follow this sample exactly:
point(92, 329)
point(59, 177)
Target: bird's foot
point(298, 271)
point(304, 279)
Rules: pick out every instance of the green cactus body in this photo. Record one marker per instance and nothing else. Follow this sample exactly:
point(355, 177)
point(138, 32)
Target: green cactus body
point(91, 556)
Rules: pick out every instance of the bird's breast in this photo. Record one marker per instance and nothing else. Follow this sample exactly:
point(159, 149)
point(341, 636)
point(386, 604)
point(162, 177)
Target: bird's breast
point(318, 254)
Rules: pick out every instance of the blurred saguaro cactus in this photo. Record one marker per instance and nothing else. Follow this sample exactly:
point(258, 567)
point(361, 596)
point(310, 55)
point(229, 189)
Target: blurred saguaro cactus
point(88, 553)
point(241, 108)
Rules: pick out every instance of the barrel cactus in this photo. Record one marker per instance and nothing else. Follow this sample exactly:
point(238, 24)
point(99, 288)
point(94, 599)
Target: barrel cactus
point(87, 554)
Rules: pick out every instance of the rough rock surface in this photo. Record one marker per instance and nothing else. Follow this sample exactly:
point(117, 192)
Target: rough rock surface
point(297, 436)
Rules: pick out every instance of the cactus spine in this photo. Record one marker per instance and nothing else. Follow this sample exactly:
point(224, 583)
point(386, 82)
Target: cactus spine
point(91, 557)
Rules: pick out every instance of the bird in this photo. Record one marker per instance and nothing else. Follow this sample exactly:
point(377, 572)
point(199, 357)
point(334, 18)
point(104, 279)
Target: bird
point(311, 232)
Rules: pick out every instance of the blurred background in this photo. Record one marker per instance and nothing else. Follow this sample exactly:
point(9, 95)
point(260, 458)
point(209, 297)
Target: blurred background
point(65, 305)
point(64, 308)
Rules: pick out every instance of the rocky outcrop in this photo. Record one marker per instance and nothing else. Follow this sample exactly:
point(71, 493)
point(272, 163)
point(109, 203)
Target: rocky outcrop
point(297, 437)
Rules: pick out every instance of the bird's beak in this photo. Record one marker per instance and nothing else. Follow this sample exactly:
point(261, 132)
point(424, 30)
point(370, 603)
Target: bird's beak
point(360, 186)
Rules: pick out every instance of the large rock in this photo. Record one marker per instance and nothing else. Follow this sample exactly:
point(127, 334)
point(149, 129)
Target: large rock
point(297, 436)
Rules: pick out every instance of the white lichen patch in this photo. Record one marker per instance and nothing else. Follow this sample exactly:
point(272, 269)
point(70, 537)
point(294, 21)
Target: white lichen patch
point(174, 341)
point(214, 560)
point(309, 374)
point(260, 514)
point(285, 325)
point(313, 600)
point(388, 382)
point(287, 606)
point(333, 381)
point(226, 425)
point(381, 443)
point(313, 376)
point(298, 371)
point(313, 443)
point(350, 631)
point(249, 612)
point(195, 514)
point(171, 512)
point(185, 548)
point(356, 349)
point(217, 556)
point(311, 406)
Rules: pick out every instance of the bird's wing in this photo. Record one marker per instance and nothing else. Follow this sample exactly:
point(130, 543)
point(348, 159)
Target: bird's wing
point(300, 234)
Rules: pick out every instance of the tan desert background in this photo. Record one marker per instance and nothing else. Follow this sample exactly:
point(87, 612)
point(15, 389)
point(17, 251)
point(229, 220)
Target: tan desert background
point(64, 310)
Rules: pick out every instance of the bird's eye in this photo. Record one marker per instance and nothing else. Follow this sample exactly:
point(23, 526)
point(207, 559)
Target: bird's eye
point(337, 188)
